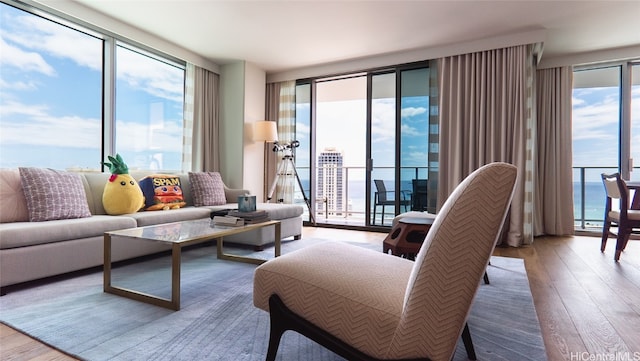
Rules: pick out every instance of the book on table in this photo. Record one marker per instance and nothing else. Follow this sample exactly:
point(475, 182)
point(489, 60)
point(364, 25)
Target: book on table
point(228, 221)
point(251, 217)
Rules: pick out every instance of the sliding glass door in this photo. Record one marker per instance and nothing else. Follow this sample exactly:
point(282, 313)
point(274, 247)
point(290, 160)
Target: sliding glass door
point(606, 134)
point(365, 145)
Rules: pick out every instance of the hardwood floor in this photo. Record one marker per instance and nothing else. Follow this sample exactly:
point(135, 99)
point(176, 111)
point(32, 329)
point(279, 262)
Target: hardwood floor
point(588, 305)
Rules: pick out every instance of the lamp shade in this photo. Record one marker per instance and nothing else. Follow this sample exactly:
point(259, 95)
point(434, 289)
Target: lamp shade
point(265, 131)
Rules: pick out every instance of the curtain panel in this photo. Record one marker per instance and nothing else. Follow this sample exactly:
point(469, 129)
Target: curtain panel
point(554, 174)
point(272, 109)
point(486, 115)
point(201, 120)
point(281, 107)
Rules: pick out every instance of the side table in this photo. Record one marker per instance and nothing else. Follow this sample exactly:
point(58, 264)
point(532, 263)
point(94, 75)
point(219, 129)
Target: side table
point(407, 236)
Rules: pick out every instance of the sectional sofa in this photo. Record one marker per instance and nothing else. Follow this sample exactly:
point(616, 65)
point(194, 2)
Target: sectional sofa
point(31, 250)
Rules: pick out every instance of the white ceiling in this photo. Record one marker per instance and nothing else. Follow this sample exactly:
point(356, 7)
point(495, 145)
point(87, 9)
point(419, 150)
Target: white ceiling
point(284, 35)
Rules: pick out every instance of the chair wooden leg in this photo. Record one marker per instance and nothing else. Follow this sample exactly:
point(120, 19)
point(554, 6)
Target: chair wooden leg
point(276, 330)
point(374, 215)
point(486, 278)
point(605, 235)
point(382, 217)
point(468, 343)
point(623, 238)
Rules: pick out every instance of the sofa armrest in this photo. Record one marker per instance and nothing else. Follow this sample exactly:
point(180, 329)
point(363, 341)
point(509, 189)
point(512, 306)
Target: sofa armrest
point(232, 194)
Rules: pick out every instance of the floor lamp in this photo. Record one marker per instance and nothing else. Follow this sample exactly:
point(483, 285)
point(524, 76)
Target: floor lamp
point(265, 131)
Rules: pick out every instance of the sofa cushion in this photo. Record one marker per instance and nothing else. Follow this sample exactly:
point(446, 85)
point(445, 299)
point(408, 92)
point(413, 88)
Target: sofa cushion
point(162, 192)
point(23, 234)
point(177, 215)
point(52, 194)
point(207, 189)
point(14, 204)
point(281, 211)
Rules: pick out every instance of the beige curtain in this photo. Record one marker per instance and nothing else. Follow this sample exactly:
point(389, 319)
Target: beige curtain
point(201, 119)
point(554, 176)
point(272, 109)
point(486, 115)
point(281, 107)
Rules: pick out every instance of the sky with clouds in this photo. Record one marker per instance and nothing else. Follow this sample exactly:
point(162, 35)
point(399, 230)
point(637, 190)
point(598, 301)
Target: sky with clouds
point(51, 98)
point(51, 94)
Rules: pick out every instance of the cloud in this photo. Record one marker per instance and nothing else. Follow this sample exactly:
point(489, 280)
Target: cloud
point(26, 61)
point(412, 111)
point(596, 119)
point(150, 75)
point(408, 130)
point(30, 42)
point(30, 125)
point(38, 34)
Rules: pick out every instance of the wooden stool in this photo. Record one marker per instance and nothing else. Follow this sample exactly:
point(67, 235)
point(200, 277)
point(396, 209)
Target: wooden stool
point(406, 237)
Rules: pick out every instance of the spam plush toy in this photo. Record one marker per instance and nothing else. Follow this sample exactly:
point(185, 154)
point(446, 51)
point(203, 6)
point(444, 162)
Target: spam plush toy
point(121, 193)
point(162, 192)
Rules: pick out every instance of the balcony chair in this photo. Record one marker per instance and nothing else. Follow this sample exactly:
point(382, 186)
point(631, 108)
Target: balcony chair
point(627, 220)
point(419, 195)
point(367, 305)
point(384, 198)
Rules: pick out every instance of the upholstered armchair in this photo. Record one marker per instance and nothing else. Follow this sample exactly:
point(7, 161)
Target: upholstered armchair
point(367, 305)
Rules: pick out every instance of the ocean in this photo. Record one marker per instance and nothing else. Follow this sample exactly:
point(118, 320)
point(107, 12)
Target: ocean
point(594, 199)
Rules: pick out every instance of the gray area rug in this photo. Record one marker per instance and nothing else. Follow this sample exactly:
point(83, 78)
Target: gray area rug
point(218, 321)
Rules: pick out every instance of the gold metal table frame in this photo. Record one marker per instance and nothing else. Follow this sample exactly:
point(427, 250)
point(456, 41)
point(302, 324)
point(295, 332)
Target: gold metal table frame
point(179, 235)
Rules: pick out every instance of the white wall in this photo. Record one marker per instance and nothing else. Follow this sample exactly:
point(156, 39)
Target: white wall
point(242, 102)
point(529, 37)
point(603, 56)
point(254, 108)
point(232, 123)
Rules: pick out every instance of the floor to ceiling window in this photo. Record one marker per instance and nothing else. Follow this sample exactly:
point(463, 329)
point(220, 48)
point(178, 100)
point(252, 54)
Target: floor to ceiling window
point(606, 134)
point(149, 110)
point(51, 93)
point(71, 94)
point(368, 145)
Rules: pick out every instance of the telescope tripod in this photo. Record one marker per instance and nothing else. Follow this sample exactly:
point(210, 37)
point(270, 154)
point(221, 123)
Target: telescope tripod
point(283, 169)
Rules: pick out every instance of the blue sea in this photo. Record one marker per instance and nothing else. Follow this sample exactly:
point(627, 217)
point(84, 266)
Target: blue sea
point(594, 199)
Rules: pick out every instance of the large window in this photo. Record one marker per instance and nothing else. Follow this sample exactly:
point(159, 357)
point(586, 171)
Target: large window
point(149, 117)
point(606, 134)
point(365, 143)
point(65, 102)
point(51, 93)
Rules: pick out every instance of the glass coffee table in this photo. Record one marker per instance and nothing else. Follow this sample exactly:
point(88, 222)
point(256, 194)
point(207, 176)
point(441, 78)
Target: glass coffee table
point(179, 235)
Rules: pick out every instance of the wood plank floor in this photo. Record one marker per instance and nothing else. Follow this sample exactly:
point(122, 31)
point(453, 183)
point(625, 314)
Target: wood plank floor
point(588, 305)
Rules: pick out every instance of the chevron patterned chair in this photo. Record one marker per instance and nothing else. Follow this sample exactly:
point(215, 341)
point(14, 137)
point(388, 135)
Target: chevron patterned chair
point(367, 305)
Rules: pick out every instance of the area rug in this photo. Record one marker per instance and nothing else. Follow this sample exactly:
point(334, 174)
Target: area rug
point(217, 320)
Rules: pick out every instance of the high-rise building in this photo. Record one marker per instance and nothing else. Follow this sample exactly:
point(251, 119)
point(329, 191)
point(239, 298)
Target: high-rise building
point(329, 192)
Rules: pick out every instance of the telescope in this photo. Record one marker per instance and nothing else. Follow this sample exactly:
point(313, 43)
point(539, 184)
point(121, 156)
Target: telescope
point(277, 147)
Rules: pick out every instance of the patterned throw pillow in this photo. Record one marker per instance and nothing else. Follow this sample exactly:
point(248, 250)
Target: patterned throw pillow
point(162, 192)
point(53, 194)
point(207, 189)
point(14, 205)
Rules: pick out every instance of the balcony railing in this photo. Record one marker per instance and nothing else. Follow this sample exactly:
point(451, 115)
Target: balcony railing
point(351, 209)
point(588, 195)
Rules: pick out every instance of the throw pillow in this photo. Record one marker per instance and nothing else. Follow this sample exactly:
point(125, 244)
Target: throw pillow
point(162, 192)
point(53, 194)
point(207, 189)
point(14, 205)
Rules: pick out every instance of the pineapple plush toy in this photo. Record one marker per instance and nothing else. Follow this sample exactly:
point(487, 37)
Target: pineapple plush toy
point(121, 193)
